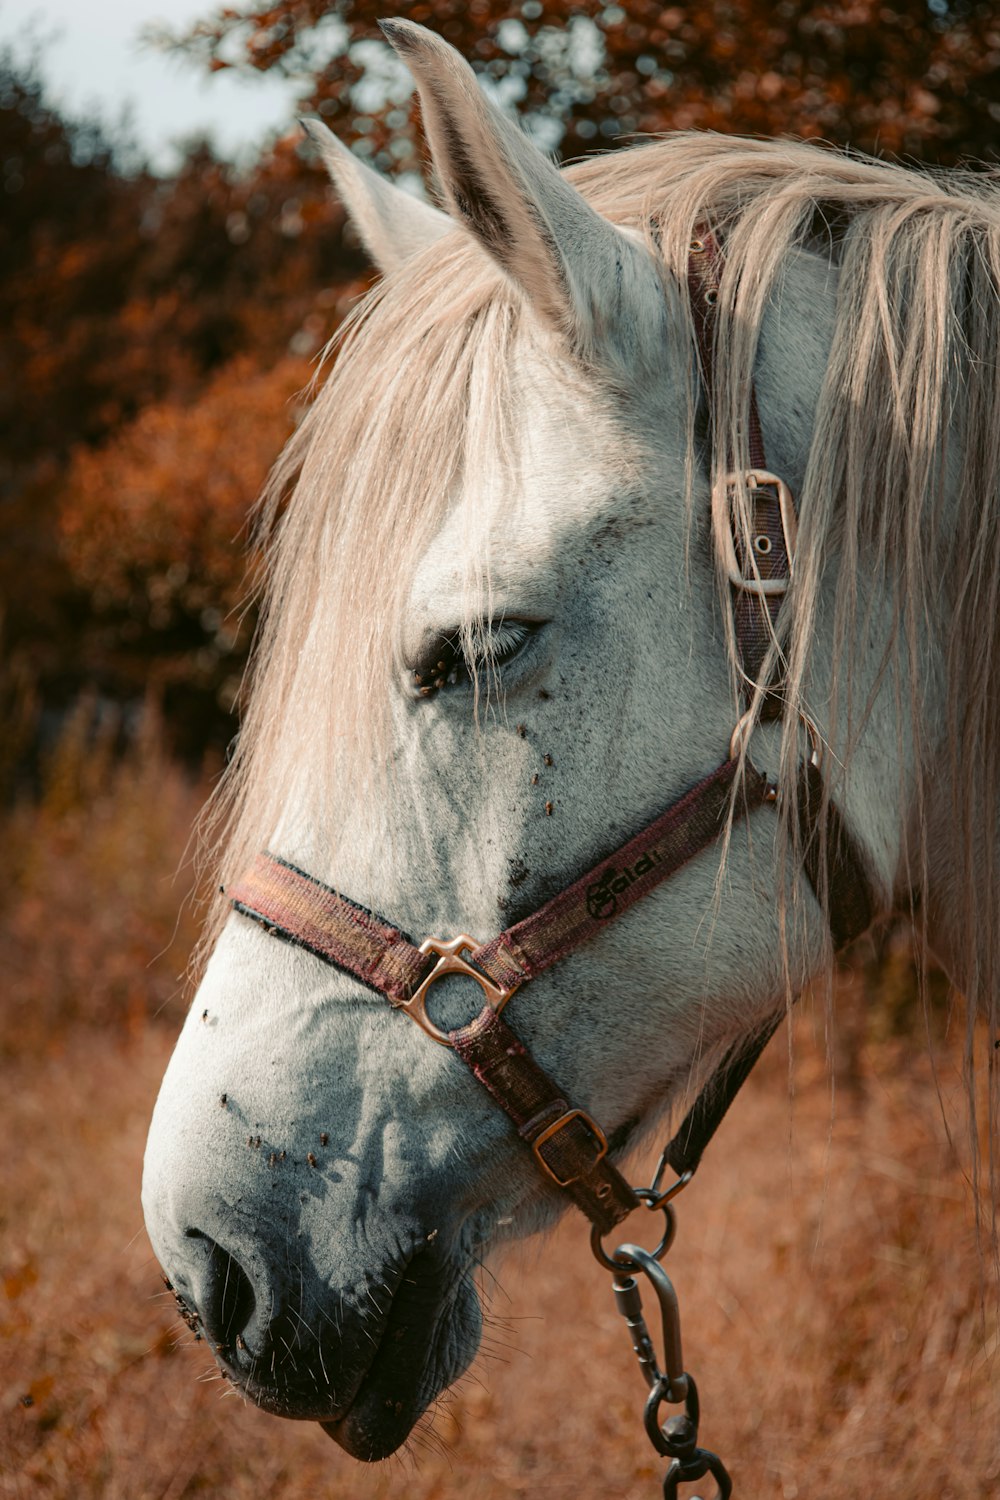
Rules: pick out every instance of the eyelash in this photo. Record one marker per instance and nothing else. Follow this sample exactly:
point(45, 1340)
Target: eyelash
point(492, 646)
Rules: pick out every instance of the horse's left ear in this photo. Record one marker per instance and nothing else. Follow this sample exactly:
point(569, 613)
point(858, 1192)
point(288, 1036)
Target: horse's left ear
point(579, 271)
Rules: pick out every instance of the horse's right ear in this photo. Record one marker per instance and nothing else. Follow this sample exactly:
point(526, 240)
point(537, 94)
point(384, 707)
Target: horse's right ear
point(393, 225)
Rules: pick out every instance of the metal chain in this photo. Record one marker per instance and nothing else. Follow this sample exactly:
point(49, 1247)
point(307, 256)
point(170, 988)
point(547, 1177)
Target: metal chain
point(675, 1438)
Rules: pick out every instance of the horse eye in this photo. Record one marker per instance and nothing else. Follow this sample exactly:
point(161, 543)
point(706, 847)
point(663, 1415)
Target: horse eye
point(447, 661)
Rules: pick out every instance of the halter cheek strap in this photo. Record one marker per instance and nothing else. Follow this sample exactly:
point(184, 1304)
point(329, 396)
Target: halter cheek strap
point(569, 1146)
point(758, 558)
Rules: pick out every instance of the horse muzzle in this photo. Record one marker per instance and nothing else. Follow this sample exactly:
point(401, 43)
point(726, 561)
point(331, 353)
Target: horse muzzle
point(364, 1357)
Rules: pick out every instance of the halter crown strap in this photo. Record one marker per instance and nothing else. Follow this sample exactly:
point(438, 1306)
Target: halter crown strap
point(759, 564)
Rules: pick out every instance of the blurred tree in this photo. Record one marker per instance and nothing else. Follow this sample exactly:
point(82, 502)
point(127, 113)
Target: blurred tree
point(67, 239)
point(154, 526)
point(917, 77)
point(121, 293)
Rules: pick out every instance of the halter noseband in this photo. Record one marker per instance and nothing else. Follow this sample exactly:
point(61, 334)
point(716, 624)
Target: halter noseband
point(568, 1145)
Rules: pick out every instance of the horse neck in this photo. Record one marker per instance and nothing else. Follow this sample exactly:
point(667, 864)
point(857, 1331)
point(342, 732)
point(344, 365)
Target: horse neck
point(896, 788)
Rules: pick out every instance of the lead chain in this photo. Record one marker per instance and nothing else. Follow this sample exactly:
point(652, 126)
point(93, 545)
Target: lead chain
point(675, 1438)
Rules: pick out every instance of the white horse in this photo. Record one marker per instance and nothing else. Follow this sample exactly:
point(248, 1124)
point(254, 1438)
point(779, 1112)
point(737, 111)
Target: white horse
point(502, 496)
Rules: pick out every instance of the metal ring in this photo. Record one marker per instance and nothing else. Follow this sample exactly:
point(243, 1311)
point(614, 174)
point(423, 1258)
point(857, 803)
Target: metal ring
point(450, 961)
point(611, 1263)
point(661, 1392)
point(815, 740)
point(655, 1198)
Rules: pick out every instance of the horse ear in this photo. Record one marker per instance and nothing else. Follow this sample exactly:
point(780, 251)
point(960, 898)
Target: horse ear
point(392, 224)
point(576, 267)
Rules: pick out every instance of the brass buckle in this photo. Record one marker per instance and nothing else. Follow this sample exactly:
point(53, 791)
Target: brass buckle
point(450, 962)
point(722, 526)
point(600, 1139)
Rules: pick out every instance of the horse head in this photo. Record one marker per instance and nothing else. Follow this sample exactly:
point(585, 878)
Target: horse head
point(497, 643)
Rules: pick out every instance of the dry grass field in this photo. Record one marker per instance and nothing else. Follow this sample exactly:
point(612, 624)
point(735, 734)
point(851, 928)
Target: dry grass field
point(836, 1313)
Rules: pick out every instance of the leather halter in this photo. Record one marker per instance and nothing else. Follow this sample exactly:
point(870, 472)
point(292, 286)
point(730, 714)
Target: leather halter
point(569, 1146)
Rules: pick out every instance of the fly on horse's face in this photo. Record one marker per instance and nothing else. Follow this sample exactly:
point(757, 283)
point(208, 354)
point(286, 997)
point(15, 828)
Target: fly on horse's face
point(521, 490)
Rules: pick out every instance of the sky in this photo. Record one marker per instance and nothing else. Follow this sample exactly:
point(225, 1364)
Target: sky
point(93, 62)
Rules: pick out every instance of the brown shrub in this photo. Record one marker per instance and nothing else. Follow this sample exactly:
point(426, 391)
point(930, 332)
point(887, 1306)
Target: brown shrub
point(91, 883)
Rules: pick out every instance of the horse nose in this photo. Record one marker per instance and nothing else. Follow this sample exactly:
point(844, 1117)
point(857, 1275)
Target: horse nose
point(272, 1325)
point(260, 1317)
point(219, 1294)
point(263, 1321)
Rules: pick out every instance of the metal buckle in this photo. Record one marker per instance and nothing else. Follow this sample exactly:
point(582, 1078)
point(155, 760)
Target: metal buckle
point(450, 962)
point(600, 1139)
point(722, 526)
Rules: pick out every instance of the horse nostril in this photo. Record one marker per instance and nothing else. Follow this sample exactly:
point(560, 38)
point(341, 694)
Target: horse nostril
point(225, 1300)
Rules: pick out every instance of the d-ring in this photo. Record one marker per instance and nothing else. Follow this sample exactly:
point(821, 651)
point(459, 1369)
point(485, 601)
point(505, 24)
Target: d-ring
point(666, 1239)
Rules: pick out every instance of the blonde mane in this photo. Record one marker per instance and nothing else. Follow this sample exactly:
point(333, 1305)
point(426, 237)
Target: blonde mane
point(903, 476)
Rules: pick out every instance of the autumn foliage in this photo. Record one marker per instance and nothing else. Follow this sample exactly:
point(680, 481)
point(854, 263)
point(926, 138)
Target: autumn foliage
point(177, 481)
point(906, 77)
point(153, 336)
